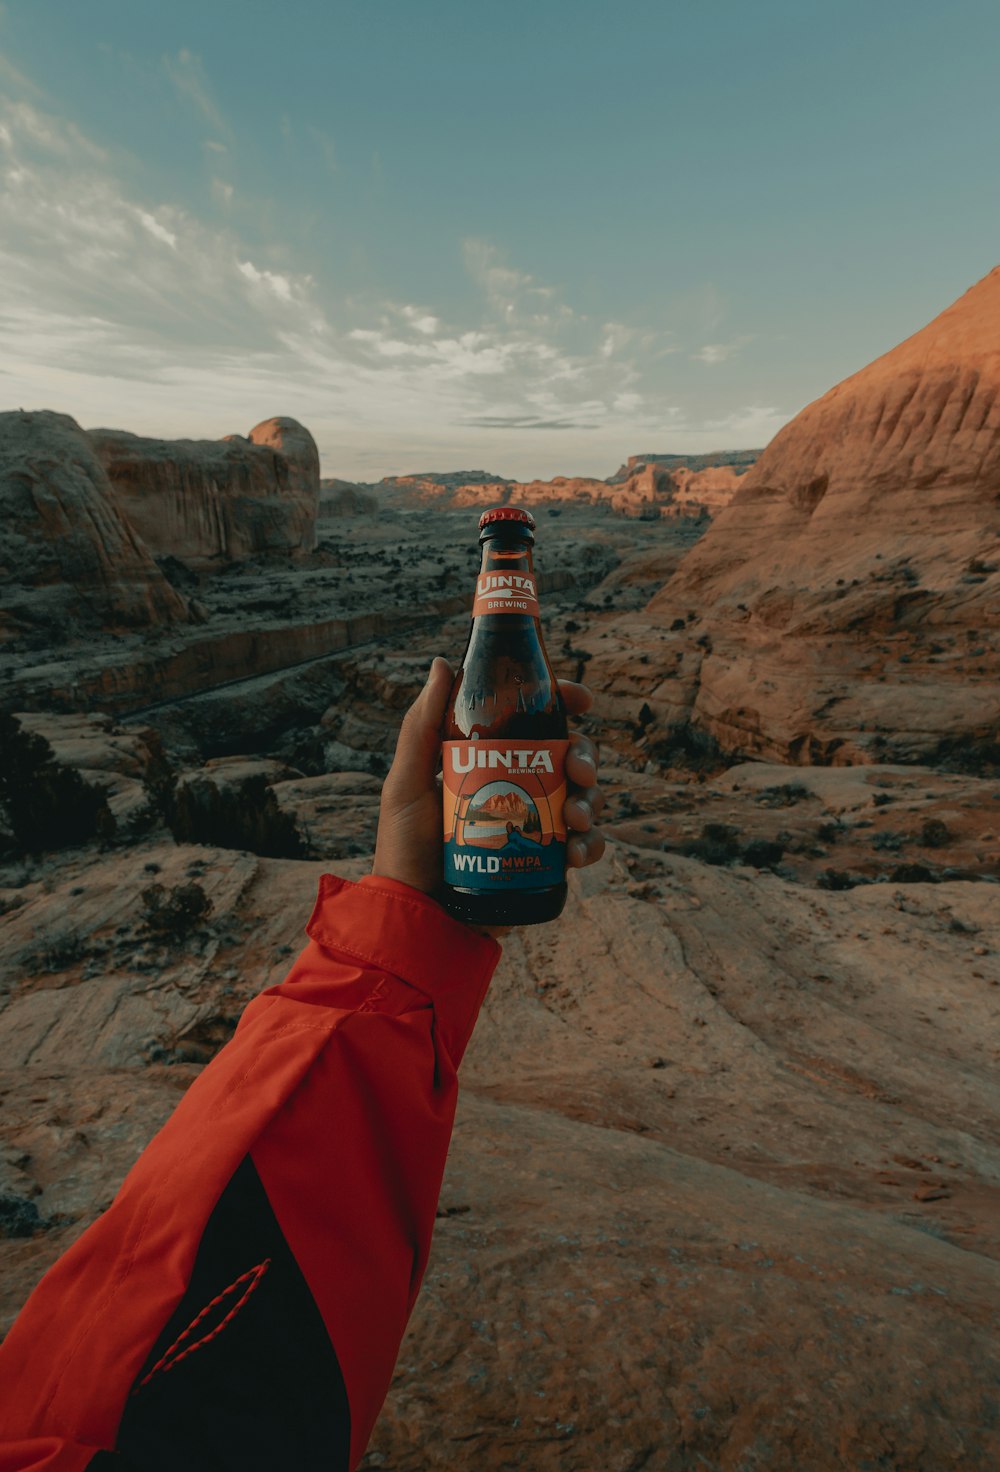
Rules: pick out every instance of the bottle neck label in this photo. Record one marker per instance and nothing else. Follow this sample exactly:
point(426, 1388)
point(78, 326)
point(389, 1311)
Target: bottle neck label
point(503, 814)
point(506, 592)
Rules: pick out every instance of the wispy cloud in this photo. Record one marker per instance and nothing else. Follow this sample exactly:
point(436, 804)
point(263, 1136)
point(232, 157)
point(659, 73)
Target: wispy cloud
point(325, 144)
point(187, 73)
point(134, 311)
point(752, 425)
point(520, 421)
point(720, 352)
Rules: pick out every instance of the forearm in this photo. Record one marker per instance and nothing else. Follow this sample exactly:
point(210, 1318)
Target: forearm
point(244, 1297)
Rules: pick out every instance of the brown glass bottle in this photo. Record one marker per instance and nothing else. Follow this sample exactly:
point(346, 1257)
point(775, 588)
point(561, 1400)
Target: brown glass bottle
point(505, 741)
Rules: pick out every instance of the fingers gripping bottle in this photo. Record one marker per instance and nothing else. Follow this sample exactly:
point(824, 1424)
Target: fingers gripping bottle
point(504, 747)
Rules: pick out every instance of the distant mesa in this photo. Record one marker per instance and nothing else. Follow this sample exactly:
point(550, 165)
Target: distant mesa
point(441, 480)
point(846, 605)
point(650, 486)
point(739, 460)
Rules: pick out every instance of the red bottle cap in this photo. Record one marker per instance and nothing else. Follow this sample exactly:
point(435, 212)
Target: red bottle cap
point(506, 513)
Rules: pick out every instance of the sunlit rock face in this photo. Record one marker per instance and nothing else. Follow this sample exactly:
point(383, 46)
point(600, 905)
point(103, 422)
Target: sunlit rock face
point(646, 490)
point(209, 500)
point(846, 605)
point(68, 556)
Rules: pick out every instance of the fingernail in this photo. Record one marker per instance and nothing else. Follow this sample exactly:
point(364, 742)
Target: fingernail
point(585, 756)
point(585, 808)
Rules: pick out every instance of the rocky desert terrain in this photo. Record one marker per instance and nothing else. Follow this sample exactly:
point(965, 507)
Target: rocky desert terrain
point(725, 1185)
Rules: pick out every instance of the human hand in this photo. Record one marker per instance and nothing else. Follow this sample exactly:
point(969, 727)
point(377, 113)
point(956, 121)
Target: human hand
point(409, 843)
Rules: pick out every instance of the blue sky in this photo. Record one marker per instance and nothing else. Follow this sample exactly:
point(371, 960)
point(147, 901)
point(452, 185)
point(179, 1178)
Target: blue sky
point(529, 237)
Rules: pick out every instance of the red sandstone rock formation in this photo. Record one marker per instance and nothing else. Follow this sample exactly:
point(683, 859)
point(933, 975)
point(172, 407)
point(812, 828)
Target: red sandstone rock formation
point(710, 489)
point(847, 604)
point(201, 500)
point(648, 491)
point(68, 555)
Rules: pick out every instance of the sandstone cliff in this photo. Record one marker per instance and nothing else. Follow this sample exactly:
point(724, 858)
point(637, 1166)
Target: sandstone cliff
point(68, 555)
point(847, 604)
point(649, 491)
point(740, 460)
point(201, 500)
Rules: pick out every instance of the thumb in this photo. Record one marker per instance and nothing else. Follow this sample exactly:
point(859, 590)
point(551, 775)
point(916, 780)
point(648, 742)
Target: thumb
point(418, 745)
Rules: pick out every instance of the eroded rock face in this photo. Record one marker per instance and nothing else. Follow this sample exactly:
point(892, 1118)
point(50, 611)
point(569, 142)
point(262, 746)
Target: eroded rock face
point(68, 557)
point(648, 490)
point(846, 606)
point(210, 500)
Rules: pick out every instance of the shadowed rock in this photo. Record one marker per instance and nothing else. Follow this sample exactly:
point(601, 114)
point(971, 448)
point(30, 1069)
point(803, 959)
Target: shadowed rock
point(68, 555)
point(203, 500)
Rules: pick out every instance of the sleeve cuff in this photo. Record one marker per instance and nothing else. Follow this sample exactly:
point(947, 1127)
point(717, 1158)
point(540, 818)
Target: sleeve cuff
point(385, 923)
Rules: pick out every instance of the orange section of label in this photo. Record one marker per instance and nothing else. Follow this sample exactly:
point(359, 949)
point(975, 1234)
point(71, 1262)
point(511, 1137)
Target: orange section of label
point(505, 592)
point(503, 813)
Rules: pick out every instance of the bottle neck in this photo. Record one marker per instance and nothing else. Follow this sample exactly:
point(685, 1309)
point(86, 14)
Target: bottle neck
point(506, 587)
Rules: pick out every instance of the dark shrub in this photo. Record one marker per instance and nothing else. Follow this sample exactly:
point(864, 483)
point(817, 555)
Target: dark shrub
point(19, 1217)
point(935, 834)
point(836, 879)
point(48, 805)
point(175, 913)
point(719, 844)
point(785, 796)
point(243, 815)
point(913, 874)
point(763, 853)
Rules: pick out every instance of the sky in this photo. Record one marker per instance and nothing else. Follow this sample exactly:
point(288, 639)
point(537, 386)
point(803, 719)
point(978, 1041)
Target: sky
point(531, 238)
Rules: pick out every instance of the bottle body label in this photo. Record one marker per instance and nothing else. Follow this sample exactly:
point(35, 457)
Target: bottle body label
point(503, 814)
point(506, 592)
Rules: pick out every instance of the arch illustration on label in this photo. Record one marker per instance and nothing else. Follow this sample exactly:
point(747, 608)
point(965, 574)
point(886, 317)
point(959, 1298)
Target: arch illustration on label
point(503, 814)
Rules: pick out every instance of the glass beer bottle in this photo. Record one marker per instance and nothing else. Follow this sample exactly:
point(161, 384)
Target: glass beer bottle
point(504, 747)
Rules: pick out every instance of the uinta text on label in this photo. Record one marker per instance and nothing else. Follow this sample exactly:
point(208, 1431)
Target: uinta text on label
point(465, 758)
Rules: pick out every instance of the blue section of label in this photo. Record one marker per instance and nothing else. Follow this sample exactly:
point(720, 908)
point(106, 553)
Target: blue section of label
point(519, 864)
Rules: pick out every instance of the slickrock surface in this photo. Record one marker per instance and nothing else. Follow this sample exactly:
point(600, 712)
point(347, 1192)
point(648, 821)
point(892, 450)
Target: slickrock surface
point(725, 1186)
point(200, 500)
point(725, 1183)
point(847, 604)
point(68, 557)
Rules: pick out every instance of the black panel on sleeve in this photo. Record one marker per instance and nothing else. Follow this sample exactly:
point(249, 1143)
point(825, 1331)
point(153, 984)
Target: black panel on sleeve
point(265, 1391)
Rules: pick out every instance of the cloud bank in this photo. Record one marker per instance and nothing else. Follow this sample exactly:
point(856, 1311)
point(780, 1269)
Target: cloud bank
point(140, 314)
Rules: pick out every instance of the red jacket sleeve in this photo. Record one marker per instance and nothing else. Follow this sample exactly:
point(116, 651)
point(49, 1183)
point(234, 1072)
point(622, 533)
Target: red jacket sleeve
point(242, 1301)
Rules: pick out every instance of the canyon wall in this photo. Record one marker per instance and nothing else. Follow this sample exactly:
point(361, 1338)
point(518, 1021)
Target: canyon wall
point(210, 500)
point(69, 557)
point(846, 605)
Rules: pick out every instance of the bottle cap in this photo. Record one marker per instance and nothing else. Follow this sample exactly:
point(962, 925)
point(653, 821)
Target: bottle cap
point(507, 513)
